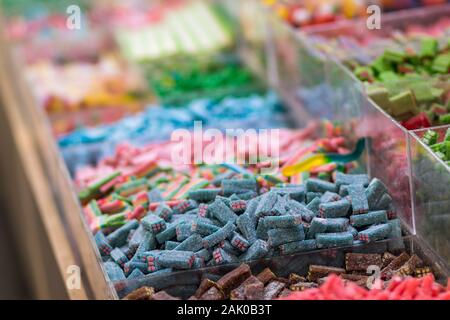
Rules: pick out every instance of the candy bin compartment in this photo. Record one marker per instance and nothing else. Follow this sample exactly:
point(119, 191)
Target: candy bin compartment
point(431, 178)
point(386, 140)
point(183, 284)
point(387, 144)
point(367, 52)
point(352, 39)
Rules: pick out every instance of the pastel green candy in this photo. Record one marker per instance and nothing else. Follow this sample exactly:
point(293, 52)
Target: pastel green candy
point(428, 47)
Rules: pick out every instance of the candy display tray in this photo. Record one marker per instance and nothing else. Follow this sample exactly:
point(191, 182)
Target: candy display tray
point(184, 283)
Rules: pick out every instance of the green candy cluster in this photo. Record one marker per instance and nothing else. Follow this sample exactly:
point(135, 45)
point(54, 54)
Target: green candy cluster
point(411, 81)
point(185, 80)
point(441, 149)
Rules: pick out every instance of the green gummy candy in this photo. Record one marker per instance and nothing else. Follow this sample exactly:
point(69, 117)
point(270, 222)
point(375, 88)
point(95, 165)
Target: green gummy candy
point(380, 65)
point(388, 76)
point(430, 137)
point(441, 63)
point(380, 96)
point(445, 118)
point(423, 92)
point(429, 47)
point(393, 56)
point(447, 135)
point(403, 102)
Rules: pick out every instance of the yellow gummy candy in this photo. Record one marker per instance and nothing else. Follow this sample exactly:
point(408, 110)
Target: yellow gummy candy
point(305, 164)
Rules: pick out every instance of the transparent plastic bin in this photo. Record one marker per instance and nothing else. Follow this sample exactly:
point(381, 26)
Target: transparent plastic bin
point(431, 196)
point(183, 284)
point(342, 42)
point(327, 37)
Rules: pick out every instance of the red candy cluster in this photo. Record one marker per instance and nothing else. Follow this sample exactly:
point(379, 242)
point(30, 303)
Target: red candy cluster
point(335, 288)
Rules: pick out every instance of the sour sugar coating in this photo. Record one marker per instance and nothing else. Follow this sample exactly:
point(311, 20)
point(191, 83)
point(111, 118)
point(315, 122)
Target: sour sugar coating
point(237, 186)
point(329, 197)
point(287, 221)
point(239, 242)
point(114, 272)
point(247, 227)
point(353, 231)
point(358, 198)
point(219, 235)
point(374, 233)
point(266, 204)
point(176, 259)
point(168, 234)
point(296, 193)
point(136, 273)
point(102, 243)
point(257, 250)
point(310, 196)
point(356, 179)
point(396, 244)
point(119, 257)
point(384, 202)
point(130, 266)
point(396, 229)
point(202, 228)
point(185, 206)
point(340, 239)
point(252, 205)
point(204, 254)
point(228, 247)
point(280, 206)
point(318, 185)
point(366, 219)
point(318, 225)
point(137, 237)
point(203, 195)
point(222, 212)
point(148, 243)
point(335, 209)
point(298, 246)
point(153, 223)
point(314, 206)
point(337, 224)
point(221, 256)
point(284, 235)
point(118, 238)
point(262, 230)
point(297, 208)
point(374, 192)
point(170, 245)
point(164, 212)
point(183, 231)
point(193, 243)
